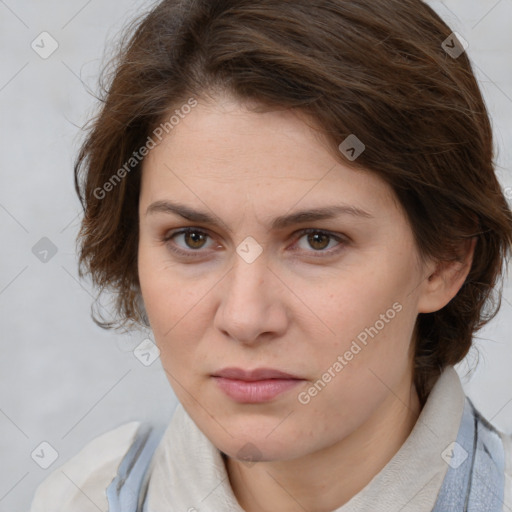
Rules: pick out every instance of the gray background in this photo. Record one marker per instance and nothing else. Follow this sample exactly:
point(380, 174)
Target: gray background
point(64, 380)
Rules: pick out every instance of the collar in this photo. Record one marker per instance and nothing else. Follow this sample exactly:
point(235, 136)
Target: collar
point(187, 472)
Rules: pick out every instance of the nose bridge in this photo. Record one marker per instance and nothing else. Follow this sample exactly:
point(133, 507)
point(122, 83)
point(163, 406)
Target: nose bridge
point(249, 304)
point(247, 285)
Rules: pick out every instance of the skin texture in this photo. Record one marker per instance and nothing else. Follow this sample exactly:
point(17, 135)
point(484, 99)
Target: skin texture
point(296, 308)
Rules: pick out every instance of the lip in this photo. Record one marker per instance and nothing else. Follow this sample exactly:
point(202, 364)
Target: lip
point(254, 386)
point(253, 375)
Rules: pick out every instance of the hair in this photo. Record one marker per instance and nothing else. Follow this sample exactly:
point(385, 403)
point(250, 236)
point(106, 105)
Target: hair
point(377, 70)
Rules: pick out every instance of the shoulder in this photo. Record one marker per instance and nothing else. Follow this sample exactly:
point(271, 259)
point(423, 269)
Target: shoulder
point(80, 483)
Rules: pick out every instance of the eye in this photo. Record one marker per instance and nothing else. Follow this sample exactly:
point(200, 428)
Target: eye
point(319, 241)
point(192, 240)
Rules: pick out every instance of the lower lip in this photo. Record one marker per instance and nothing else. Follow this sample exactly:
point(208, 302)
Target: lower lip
point(254, 392)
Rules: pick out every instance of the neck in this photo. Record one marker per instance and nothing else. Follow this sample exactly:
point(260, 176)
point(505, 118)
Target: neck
point(324, 481)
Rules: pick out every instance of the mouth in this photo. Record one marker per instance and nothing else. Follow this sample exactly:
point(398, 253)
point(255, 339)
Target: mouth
point(254, 386)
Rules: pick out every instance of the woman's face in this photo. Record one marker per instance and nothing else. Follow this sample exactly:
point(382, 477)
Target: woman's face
point(284, 314)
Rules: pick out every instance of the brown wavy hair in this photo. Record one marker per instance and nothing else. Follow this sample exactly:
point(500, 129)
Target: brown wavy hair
point(376, 69)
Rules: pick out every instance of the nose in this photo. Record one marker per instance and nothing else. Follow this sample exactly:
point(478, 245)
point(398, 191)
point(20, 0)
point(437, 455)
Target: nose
point(251, 307)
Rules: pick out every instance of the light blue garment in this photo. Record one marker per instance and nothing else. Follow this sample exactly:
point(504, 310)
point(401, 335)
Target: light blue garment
point(128, 490)
point(474, 482)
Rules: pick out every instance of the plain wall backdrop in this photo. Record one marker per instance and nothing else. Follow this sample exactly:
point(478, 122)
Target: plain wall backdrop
point(65, 380)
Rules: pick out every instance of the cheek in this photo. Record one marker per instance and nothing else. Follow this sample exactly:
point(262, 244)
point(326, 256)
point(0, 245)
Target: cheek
point(176, 306)
point(357, 305)
point(169, 296)
point(176, 329)
point(370, 320)
point(357, 372)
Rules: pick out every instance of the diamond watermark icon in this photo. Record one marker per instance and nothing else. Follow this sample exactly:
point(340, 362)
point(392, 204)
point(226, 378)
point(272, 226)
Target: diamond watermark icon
point(44, 455)
point(249, 250)
point(44, 45)
point(249, 454)
point(44, 250)
point(147, 352)
point(454, 455)
point(352, 147)
point(455, 45)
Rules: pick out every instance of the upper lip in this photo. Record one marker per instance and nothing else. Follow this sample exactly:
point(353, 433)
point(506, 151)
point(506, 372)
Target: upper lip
point(253, 375)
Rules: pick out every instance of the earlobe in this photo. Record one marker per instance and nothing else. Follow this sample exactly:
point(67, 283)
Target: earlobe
point(445, 279)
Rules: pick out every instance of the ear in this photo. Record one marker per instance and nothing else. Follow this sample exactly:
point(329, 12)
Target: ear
point(445, 279)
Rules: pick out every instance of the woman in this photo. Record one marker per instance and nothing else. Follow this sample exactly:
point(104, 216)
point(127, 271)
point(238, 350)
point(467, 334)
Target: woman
point(299, 199)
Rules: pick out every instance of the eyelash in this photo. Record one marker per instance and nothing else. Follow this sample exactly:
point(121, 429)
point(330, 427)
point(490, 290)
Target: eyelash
point(342, 240)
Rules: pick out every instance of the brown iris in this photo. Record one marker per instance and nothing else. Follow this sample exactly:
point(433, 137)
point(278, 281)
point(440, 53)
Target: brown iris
point(195, 239)
point(318, 241)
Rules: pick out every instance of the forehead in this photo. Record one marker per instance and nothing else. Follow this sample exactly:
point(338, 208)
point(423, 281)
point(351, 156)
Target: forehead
point(270, 159)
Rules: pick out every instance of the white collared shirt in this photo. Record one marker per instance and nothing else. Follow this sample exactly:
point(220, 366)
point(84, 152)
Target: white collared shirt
point(187, 473)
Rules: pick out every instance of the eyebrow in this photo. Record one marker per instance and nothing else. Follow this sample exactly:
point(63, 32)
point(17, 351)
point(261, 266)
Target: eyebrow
point(282, 222)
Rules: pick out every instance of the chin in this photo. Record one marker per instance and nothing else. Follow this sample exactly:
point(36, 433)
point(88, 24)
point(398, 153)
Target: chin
point(253, 441)
point(265, 432)
point(251, 451)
